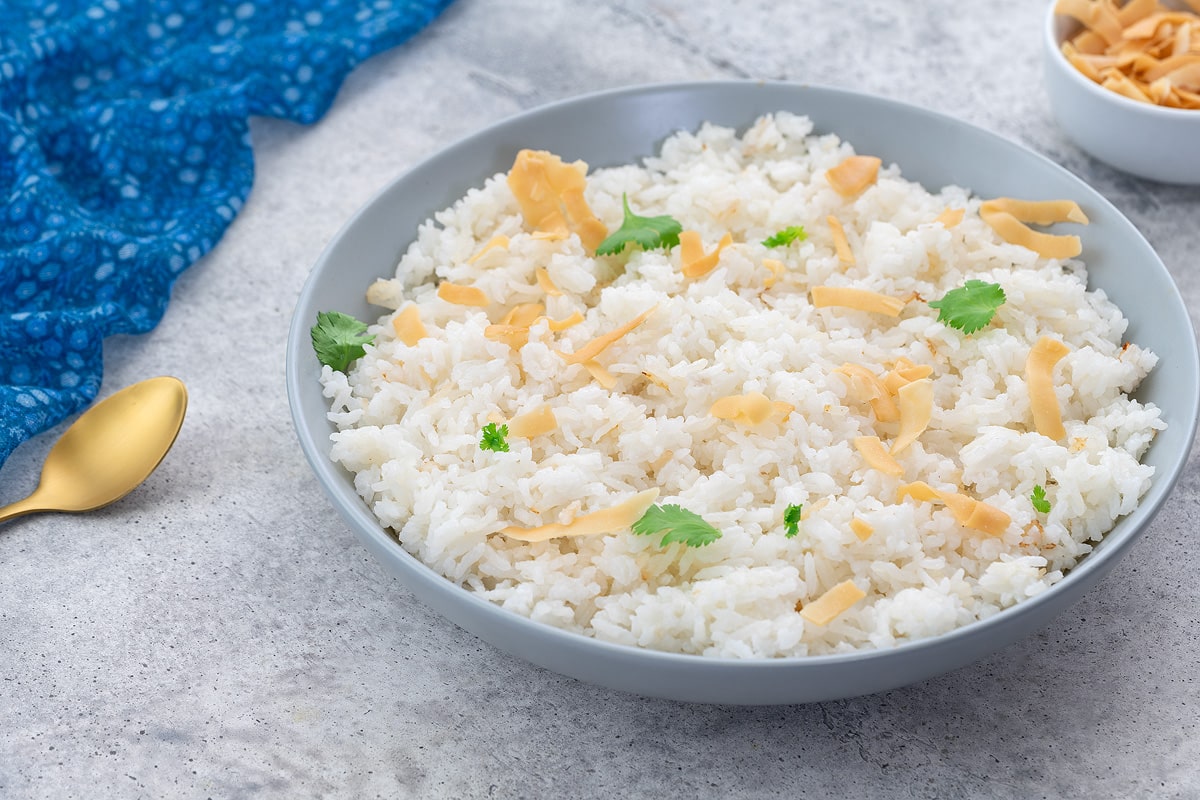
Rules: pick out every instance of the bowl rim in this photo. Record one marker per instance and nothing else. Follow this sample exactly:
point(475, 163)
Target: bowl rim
point(1053, 42)
point(363, 522)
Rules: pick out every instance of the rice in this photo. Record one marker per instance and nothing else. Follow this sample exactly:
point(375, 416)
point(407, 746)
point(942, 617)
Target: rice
point(409, 417)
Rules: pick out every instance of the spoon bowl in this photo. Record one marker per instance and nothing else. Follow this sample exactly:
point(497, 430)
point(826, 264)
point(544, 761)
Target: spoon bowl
point(109, 450)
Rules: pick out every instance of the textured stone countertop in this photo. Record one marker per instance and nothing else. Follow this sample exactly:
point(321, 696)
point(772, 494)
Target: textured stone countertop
point(221, 633)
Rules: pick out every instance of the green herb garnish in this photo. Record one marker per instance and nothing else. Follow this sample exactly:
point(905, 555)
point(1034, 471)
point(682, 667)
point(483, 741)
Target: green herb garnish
point(339, 338)
point(1038, 498)
point(791, 519)
point(676, 525)
point(493, 438)
point(783, 238)
point(971, 306)
point(649, 232)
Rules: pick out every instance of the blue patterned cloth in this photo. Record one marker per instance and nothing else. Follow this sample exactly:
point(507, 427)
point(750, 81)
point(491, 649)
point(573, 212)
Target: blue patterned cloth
point(125, 154)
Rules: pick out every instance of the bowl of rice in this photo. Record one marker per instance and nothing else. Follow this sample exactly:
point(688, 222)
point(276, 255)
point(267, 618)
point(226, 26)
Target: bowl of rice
point(743, 392)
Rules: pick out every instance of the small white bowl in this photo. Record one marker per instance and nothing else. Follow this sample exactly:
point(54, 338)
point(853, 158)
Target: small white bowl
point(1162, 144)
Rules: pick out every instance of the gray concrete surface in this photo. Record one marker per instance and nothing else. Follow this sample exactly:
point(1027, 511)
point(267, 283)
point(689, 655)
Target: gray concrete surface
point(220, 632)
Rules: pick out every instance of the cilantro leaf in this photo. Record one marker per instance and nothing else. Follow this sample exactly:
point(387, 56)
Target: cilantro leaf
point(791, 519)
point(790, 234)
point(648, 232)
point(493, 438)
point(971, 306)
point(677, 525)
point(338, 339)
point(1038, 498)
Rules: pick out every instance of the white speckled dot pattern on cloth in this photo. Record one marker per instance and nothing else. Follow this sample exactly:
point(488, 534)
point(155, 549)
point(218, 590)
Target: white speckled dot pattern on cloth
point(125, 154)
point(221, 633)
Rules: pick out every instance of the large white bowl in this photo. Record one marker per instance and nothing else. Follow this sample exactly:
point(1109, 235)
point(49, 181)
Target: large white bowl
point(621, 126)
point(1155, 142)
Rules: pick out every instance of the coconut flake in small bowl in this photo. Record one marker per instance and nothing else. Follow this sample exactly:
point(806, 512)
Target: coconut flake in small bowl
point(1124, 83)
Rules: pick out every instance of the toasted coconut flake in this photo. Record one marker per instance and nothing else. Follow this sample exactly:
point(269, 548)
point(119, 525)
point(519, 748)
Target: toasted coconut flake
point(1038, 212)
point(1007, 217)
point(545, 284)
point(1148, 27)
point(523, 314)
point(987, 518)
point(967, 511)
point(694, 262)
point(813, 508)
point(876, 456)
point(752, 408)
point(1160, 91)
point(840, 243)
point(550, 194)
point(600, 374)
point(533, 423)
point(1167, 67)
point(905, 372)
point(1185, 99)
point(777, 269)
point(663, 459)
point(1090, 43)
point(408, 326)
point(1098, 17)
point(853, 175)
point(1135, 10)
point(500, 241)
point(515, 336)
point(1088, 65)
point(598, 345)
point(834, 602)
point(1141, 50)
point(1186, 76)
point(513, 329)
point(558, 325)
point(961, 506)
point(861, 528)
point(610, 520)
point(1122, 85)
point(916, 410)
point(951, 217)
point(462, 295)
point(858, 299)
point(1046, 245)
point(1039, 377)
point(870, 385)
point(917, 490)
point(1183, 38)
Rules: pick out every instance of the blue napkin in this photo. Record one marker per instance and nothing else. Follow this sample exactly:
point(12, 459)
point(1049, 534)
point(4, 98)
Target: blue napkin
point(125, 154)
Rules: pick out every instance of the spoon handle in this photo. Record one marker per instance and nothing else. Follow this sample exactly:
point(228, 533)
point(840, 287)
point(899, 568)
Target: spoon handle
point(20, 508)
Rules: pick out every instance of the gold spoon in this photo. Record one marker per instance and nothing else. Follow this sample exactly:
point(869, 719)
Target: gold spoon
point(109, 450)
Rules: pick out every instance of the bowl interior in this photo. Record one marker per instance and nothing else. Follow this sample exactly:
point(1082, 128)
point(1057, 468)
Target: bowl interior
point(618, 127)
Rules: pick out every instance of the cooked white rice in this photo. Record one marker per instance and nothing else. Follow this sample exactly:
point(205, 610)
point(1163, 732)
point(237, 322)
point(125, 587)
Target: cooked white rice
point(409, 418)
